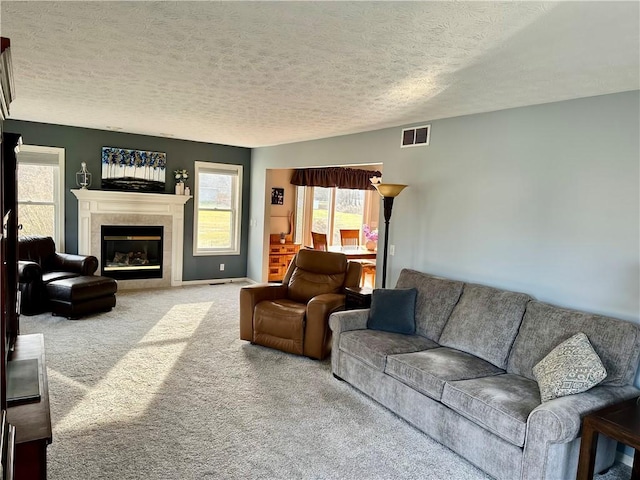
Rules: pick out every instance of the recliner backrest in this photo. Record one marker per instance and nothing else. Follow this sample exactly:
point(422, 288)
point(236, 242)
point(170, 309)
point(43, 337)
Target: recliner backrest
point(37, 249)
point(314, 273)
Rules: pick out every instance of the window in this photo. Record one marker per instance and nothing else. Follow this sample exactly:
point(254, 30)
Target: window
point(217, 207)
point(41, 192)
point(327, 210)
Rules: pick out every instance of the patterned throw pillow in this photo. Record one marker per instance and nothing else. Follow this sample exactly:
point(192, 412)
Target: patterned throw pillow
point(571, 367)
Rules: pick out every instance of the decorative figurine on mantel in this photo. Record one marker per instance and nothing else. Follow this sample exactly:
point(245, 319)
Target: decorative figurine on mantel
point(83, 177)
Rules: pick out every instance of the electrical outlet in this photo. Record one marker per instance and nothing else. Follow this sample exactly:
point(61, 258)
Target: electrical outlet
point(392, 249)
point(222, 267)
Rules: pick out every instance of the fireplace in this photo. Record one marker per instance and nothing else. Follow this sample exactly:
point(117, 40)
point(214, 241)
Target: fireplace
point(132, 252)
point(108, 207)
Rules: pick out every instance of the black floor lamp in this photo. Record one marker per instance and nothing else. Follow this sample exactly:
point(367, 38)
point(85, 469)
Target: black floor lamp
point(388, 191)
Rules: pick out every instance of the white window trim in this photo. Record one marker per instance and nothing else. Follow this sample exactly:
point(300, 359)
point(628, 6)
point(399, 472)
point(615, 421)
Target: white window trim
point(59, 220)
point(237, 198)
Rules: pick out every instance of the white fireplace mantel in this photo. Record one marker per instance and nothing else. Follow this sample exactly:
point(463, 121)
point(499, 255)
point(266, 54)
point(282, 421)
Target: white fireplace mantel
point(92, 202)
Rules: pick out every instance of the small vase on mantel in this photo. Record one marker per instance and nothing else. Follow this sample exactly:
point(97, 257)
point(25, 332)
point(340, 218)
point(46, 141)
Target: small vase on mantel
point(179, 188)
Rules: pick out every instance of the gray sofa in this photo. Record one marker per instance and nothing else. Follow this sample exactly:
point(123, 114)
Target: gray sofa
point(465, 378)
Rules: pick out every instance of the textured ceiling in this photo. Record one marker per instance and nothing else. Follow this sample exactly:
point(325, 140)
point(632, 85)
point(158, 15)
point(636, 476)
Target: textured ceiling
point(266, 73)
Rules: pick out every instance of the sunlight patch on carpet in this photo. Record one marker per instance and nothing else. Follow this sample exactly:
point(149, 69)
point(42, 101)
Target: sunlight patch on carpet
point(60, 377)
point(142, 370)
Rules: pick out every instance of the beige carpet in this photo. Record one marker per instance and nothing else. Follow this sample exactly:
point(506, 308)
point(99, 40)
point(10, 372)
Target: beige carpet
point(162, 388)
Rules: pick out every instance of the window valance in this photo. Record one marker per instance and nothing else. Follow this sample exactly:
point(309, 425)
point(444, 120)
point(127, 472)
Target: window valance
point(340, 177)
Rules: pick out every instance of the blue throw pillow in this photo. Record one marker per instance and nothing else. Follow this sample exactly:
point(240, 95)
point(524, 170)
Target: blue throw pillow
point(393, 310)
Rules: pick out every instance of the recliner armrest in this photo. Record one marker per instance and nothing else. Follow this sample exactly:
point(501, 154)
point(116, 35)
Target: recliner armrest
point(324, 305)
point(317, 333)
point(250, 296)
point(29, 271)
point(82, 264)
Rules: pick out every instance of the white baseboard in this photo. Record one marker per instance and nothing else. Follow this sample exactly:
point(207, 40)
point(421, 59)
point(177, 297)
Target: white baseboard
point(216, 281)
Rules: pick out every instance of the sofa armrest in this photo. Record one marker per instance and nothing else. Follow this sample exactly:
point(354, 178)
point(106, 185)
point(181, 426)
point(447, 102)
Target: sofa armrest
point(29, 271)
point(340, 322)
point(250, 296)
point(559, 421)
point(349, 320)
point(81, 264)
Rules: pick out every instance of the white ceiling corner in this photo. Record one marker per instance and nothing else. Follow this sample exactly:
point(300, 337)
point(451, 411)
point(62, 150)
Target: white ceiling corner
point(265, 73)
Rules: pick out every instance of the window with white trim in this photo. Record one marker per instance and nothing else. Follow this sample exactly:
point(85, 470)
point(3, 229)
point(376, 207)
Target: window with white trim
point(327, 210)
point(217, 209)
point(41, 192)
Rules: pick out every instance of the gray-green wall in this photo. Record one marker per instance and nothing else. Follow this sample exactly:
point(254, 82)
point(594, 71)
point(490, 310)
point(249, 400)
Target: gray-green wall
point(85, 145)
point(542, 199)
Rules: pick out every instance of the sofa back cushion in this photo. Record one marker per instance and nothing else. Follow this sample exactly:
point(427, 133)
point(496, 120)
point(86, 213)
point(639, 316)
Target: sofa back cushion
point(485, 322)
point(544, 327)
point(435, 300)
point(37, 249)
point(315, 273)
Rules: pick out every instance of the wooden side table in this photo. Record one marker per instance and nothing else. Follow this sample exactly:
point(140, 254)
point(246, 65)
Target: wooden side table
point(620, 422)
point(357, 297)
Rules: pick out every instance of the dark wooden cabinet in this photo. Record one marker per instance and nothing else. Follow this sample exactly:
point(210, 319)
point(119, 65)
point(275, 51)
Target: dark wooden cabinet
point(9, 207)
point(25, 429)
point(32, 420)
point(8, 258)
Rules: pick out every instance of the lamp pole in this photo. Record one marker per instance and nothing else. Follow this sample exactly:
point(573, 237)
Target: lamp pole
point(388, 191)
point(387, 203)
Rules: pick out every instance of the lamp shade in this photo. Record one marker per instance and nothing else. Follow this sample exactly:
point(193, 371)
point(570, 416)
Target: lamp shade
point(389, 189)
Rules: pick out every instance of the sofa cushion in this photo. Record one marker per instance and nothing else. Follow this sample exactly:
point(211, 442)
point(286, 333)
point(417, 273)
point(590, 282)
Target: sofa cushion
point(37, 249)
point(501, 403)
point(485, 322)
point(434, 302)
point(373, 346)
point(393, 310)
point(571, 367)
point(544, 326)
point(427, 371)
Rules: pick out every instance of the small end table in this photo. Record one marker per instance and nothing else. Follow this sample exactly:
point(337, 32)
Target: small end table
point(357, 297)
point(620, 422)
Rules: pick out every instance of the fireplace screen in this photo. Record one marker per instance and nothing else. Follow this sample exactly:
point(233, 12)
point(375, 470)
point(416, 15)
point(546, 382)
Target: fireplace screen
point(132, 252)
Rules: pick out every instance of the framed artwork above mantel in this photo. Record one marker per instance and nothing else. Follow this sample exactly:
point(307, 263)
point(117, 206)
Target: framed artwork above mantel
point(133, 170)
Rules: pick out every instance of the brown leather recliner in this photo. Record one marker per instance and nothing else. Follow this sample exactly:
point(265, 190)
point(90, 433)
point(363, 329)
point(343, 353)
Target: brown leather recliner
point(294, 316)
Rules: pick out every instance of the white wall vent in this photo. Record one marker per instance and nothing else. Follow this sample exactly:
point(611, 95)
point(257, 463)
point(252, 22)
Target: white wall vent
point(415, 136)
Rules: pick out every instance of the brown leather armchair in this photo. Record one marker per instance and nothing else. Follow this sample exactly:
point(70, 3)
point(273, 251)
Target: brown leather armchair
point(294, 316)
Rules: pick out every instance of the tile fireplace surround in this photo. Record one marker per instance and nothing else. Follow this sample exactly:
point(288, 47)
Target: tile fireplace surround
point(107, 207)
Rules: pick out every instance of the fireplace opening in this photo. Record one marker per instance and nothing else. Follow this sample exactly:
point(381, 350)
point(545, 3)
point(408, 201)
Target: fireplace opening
point(132, 252)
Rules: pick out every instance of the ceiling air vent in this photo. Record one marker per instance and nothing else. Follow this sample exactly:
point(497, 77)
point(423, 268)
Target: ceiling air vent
point(415, 136)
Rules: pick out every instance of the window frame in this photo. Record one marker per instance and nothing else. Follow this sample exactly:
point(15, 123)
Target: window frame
point(235, 171)
point(59, 188)
point(368, 216)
